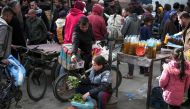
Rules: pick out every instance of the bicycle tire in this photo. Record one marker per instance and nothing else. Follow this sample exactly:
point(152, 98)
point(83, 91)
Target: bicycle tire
point(5, 106)
point(36, 73)
point(68, 93)
point(116, 78)
point(55, 70)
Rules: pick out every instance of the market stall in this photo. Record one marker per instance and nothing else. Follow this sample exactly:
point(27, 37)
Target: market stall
point(145, 62)
point(143, 53)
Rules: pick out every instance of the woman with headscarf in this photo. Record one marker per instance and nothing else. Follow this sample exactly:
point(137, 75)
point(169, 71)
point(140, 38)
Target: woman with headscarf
point(170, 26)
point(98, 23)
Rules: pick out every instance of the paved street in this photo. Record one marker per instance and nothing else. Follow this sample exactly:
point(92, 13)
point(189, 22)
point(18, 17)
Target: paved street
point(135, 89)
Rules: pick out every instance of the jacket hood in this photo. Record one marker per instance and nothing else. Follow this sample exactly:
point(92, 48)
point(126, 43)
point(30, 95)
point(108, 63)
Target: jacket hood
point(97, 9)
point(133, 17)
point(3, 21)
point(172, 67)
point(75, 11)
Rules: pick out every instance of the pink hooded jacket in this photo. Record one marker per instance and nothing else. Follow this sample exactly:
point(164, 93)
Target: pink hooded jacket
point(173, 87)
point(71, 20)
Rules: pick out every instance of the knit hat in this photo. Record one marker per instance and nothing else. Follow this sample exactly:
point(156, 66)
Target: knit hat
point(79, 5)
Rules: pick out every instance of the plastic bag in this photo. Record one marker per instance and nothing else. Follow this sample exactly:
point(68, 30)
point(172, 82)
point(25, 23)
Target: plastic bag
point(16, 70)
point(87, 105)
point(96, 49)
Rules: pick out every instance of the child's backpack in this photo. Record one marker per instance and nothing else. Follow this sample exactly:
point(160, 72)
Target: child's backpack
point(156, 99)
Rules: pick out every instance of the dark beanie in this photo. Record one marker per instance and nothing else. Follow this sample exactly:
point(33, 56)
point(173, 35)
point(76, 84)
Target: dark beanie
point(79, 5)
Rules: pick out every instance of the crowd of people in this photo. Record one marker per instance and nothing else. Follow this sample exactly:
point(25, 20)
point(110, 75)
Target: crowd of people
point(24, 23)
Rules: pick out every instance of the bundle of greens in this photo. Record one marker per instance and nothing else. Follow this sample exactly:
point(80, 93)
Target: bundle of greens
point(78, 98)
point(73, 81)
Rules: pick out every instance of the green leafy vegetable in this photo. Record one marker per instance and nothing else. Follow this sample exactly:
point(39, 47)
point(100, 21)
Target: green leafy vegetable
point(73, 81)
point(78, 98)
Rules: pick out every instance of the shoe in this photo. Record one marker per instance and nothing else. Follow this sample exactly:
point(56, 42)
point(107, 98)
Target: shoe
point(127, 76)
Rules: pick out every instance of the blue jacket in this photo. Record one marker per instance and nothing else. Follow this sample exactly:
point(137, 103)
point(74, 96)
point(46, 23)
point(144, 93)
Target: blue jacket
point(145, 32)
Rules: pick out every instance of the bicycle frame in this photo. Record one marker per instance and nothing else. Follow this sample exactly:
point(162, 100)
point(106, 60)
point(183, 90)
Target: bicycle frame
point(9, 90)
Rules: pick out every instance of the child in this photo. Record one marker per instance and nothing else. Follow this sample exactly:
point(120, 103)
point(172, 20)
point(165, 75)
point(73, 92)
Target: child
point(146, 33)
point(146, 29)
point(175, 80)
point(98, 83)
point(60, 24)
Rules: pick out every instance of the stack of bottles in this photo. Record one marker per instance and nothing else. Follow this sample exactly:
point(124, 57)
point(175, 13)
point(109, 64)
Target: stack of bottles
point(133, 46)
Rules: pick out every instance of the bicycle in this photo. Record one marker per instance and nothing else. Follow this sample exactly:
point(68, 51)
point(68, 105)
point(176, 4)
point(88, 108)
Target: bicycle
point(36, 76)
point(8, 90)
point(64, 93)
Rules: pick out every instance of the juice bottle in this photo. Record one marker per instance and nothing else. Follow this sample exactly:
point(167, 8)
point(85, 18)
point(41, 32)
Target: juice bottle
point(166, 39)
point(126, 45)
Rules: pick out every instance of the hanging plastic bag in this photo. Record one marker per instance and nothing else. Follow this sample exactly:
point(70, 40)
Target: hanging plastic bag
point(96, 49)
point(16, 70)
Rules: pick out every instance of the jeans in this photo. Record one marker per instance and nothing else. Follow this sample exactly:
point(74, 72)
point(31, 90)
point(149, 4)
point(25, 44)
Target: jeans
point(101, 97)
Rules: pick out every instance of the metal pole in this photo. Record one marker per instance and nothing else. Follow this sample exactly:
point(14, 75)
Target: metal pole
point(149, 85)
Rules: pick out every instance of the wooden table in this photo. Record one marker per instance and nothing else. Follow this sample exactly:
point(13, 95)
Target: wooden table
point(145, 62)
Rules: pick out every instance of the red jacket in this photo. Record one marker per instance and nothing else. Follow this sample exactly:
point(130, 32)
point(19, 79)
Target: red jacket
point(173, 87)
point(71, 20)
point(97, 22)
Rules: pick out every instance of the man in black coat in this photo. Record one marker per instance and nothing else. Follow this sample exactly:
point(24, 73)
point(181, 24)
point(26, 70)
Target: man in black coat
point(83, 39)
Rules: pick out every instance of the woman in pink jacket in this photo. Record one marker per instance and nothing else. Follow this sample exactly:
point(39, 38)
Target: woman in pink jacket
point(175, 80)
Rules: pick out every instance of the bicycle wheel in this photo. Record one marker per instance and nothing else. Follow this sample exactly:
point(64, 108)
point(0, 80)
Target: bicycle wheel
point(55, 70)
point(5, 105)
point(36, 84)
point(61, 89)
point(116, 77)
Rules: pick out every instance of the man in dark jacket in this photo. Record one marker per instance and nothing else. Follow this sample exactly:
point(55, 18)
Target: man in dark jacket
point(83, 39)
point(40, 13)
point(36, 29)
point(5, 32)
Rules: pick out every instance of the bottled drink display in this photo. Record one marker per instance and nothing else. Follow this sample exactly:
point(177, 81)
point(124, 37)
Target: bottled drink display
point(133, 46)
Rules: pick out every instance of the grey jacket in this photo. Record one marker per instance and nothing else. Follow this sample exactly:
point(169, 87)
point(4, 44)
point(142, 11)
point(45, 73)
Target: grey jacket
point(100, 81)
point(131, 25)
point(5, 39)
point(36, 30)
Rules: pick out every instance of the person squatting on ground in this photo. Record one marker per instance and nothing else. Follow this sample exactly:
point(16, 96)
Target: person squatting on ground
point(98, 83)
point(175, 79)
